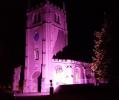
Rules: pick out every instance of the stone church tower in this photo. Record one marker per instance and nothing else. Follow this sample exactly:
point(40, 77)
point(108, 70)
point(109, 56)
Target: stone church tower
point(46, 34)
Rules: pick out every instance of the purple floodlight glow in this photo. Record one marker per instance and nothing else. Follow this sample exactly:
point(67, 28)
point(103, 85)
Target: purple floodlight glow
point(44, 39)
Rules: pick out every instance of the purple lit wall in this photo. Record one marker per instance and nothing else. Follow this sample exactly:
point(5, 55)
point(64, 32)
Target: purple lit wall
point(46, 35)
point(65, 72)
point(16, 78)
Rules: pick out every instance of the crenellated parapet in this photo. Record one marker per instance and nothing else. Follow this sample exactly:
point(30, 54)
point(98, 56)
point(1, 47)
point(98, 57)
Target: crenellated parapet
point(48, 3)
point(69, 61)
point(46, 13)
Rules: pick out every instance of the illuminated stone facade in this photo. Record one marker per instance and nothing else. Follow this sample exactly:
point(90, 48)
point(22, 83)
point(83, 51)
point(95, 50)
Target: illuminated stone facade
point(16, 78)
point(46, 35)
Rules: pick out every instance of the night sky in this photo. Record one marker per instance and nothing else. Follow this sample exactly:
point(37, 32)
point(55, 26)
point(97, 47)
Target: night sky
point(84, 17)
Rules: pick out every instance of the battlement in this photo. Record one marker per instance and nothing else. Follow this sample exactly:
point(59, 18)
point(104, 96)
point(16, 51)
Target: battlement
point(48, 3)
point(68, 61)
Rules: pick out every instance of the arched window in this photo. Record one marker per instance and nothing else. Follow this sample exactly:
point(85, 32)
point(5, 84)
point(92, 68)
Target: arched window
point(36, 18)
point(59, 69)
point(59, 77)
point(77, 75)
point(57, 18)
point(36, 54)
point(39, 17)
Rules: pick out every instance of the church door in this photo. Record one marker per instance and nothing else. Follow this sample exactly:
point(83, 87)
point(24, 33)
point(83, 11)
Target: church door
point(39, 83)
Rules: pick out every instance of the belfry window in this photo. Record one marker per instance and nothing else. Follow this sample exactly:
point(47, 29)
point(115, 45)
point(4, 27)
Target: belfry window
point(36, 54)
point(57, 18)
point(39, 18)
point(36, 18)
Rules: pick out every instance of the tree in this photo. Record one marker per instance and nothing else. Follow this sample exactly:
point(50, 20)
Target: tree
point(101, 60)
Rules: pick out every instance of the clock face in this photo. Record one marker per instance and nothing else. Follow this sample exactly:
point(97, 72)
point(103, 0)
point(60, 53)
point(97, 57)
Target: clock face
point(36, 37)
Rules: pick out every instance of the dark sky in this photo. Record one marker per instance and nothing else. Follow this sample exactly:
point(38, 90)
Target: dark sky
point(84, 17)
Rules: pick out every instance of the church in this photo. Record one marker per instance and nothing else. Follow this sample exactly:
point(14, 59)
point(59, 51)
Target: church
point(46, 35)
